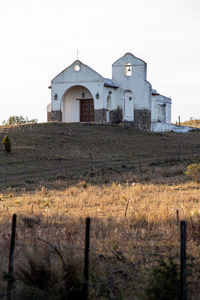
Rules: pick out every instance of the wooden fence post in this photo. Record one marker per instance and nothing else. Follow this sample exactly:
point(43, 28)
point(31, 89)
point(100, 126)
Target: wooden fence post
point(177, 216)
point(91, 163)
point(179, 151)
point(183, 261)
point(86, 261)
point(11, 258)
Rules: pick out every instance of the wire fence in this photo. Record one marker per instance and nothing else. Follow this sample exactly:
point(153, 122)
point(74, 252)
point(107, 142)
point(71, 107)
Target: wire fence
point(88, 250)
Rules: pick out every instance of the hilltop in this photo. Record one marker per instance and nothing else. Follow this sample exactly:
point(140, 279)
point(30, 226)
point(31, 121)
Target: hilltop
point(48, 152)
point(130, 183)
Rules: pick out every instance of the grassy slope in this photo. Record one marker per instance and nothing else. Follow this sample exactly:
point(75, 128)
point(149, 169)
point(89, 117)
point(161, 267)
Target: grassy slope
point(42, 153)
point(47, 181)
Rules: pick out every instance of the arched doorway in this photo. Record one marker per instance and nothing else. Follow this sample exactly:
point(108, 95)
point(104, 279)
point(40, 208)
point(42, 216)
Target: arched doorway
point(78, 105)
point(128, 106)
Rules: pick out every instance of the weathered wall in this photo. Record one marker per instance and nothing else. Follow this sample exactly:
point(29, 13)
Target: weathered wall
point(56, 115)
point(49, 118)
point(100, 116)
point(161, 105)
point(142, 119)
point(115, 116)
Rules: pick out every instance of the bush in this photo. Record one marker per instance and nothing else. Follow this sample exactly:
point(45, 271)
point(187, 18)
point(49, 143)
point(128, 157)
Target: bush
point(6, 143)
point(193, 171)
point(164, 282)
point(44, 277)
point(18, 120)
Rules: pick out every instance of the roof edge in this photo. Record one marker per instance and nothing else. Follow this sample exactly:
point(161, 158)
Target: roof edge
point(129, 53)
point(80, 63)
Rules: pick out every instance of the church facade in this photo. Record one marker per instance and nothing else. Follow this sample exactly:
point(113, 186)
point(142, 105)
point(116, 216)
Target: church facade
point(80, 94)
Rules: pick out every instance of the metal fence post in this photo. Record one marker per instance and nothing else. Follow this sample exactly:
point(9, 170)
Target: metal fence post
point(183, 261)
point(11, 258)
point(86, 260)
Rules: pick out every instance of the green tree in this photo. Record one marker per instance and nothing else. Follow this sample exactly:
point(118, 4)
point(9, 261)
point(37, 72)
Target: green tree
point(193, 171)
point(18, 120)
point(6, 143)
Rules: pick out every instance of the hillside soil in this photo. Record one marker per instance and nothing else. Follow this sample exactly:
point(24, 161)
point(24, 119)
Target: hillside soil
point(133, 187)
point(44, 153)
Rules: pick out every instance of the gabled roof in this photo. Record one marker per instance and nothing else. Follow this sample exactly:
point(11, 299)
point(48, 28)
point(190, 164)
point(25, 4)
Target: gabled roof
point(108, 83)
point(78, 62)
point(154, 92)
point(130, 55)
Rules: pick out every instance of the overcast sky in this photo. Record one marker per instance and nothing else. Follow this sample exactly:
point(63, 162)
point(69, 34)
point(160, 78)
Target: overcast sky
point(39, 38)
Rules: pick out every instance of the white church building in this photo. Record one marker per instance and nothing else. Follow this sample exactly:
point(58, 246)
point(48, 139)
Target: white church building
point(80, 94)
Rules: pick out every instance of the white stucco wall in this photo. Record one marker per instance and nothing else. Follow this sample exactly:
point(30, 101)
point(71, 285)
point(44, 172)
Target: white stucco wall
point(157, 109)
point(163, 127)
point(136, 83)
point(69, 85)
point(128, 106)
point(49, 107)
point(115, 98)
point(86, 77)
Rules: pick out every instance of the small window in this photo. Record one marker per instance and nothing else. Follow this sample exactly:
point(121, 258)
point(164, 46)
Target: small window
point(128, 69)
point(77, 68)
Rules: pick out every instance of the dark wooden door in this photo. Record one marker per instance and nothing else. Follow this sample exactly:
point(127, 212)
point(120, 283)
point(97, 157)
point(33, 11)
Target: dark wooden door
point(86, 110)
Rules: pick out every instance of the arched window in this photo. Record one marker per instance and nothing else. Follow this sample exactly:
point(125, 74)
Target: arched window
point(128, 69)
point(108, 104)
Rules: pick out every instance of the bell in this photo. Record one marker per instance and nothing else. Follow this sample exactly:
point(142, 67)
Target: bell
point(129, 69)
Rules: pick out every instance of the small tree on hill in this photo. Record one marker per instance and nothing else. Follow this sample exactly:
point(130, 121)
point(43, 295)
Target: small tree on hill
point(18, 120)
point(193, 171)
point(6, 143)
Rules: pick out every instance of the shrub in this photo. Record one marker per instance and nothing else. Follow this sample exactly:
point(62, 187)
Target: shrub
point(164, 282)
point(193, 171)
point(45, 277)
point(18, 120)
point(6, 143)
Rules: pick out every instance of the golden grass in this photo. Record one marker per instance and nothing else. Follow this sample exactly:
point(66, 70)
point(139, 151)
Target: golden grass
point(192, 123)
point(136, 195)
point(137, 222)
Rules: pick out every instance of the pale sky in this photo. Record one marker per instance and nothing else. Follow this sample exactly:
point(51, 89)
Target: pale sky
point(39, 38)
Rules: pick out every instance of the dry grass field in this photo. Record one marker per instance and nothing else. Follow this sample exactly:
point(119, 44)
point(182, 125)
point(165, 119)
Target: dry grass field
point(130, 183)
point(192, 123)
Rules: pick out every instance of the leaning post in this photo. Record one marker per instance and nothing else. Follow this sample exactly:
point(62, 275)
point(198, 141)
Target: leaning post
point(11, 258)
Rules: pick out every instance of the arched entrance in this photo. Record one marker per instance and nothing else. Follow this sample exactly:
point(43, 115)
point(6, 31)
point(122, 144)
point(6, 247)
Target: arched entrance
point(128, 106)
point(78, 105)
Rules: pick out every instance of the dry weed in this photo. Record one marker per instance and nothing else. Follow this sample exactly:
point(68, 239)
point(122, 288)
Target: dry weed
point(121, 247)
